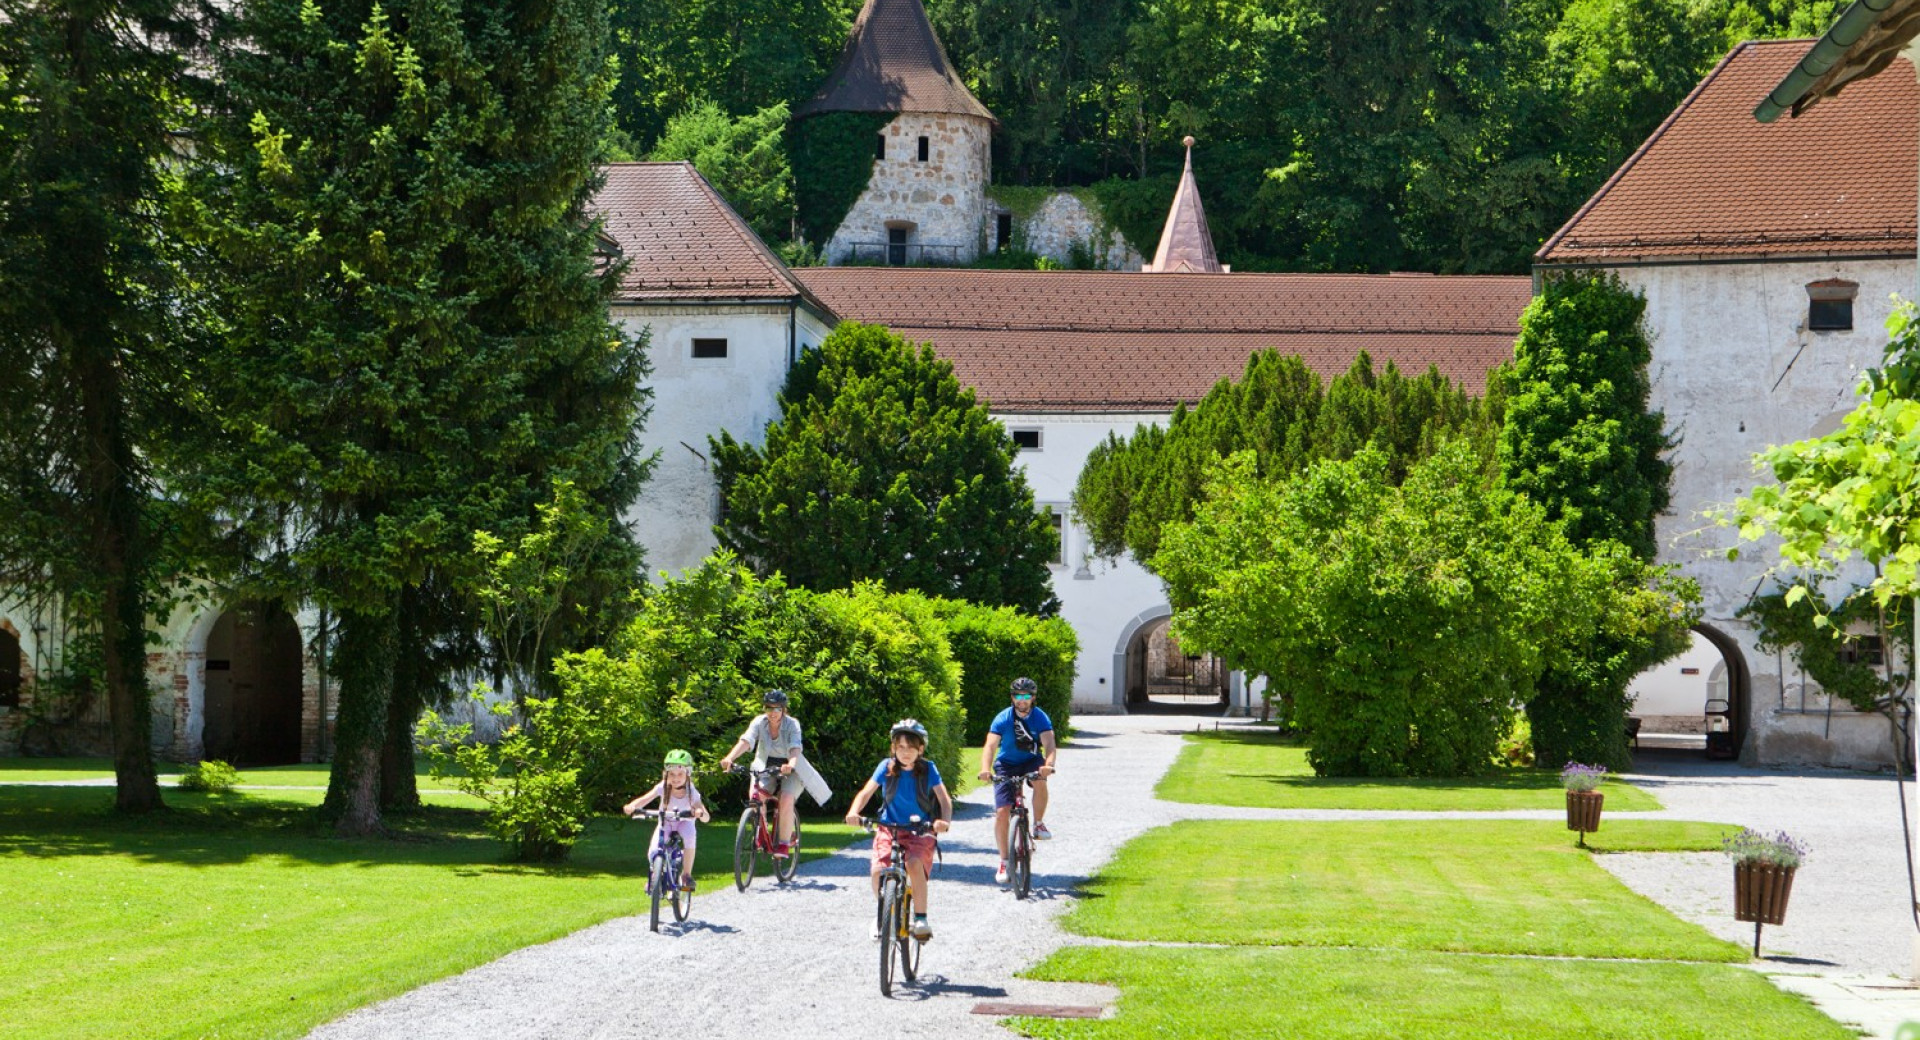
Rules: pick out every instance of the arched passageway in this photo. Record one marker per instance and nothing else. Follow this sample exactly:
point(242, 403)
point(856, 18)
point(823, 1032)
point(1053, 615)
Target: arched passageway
point(1708, 688)
point(1161, 676)
point(252, 705)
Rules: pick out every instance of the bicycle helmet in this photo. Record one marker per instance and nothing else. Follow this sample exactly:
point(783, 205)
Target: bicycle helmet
point(1024, 686)
point(908, 727)
point(774, 699)
point(680, 758)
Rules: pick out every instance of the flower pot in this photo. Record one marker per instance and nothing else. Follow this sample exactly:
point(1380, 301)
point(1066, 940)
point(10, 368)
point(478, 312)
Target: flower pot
point(1583, 810)
point(1760, 892)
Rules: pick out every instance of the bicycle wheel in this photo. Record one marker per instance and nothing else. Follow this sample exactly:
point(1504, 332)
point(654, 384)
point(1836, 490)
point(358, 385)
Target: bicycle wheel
point(1022, 865)
point(655, 881)
point(889, 931)
point(682, 899)
point(785, 869)
point(744, 851)
point(909, 946)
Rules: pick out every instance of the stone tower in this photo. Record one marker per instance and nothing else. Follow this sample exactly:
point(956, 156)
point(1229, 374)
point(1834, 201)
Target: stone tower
point(927, 199)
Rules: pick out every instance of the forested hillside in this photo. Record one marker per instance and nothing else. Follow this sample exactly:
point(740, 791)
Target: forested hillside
point(1336, 135)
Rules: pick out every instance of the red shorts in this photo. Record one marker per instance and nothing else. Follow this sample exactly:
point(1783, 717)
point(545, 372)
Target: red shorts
point(919, 849)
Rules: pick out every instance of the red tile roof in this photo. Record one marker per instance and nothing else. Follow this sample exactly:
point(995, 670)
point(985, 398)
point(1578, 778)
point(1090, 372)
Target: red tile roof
point(1712, 183)
point(682, 241)
point(1033, 341)
point(893, 62)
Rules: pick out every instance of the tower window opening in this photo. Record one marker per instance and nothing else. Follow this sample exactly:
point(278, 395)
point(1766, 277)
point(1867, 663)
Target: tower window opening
point(880, 146)
point(923, 148)
point(1003, 231)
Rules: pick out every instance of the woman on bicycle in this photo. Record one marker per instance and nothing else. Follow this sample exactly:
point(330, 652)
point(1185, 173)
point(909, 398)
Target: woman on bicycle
point(911, 788)
point(676, 793)
point(774, 738)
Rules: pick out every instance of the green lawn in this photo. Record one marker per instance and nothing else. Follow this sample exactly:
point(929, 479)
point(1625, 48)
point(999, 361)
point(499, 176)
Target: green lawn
point(1484, 886)
point(1302, 994)
point(1260, 769)
point(240, 916)
point(28, 770)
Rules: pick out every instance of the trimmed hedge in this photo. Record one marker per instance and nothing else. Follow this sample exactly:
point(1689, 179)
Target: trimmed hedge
point(996, 645)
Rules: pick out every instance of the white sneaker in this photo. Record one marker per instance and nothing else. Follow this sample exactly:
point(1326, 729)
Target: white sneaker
point(1000, 876)
point(1041, 833)
point(922, 931)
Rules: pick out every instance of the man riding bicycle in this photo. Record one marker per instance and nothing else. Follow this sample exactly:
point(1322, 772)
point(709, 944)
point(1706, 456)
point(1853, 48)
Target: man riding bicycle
point(774, 739)
point(1019, 741)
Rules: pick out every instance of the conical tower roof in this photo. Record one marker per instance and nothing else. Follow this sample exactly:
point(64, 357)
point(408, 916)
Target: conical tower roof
point(893, 62)
point(1185, 243)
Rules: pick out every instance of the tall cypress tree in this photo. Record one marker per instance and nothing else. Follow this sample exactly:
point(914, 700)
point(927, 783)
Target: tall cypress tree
point(91, 324)
point(419, 339)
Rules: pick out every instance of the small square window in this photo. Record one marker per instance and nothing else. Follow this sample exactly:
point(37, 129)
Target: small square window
point(923, 149)
point(1830, 315)
point(880, 147)
point(1026, 440)
point(709, 347)
point(1863, 650)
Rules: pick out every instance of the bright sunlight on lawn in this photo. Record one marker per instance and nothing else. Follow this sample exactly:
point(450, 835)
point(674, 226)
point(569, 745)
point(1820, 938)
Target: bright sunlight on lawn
point(240, 916)
point(1484, 886)
point(1298, 994)
point(1260, 769)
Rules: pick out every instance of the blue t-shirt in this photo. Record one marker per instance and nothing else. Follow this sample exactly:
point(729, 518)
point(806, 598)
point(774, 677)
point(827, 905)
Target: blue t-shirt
point(1010, 754)
point(905, 804)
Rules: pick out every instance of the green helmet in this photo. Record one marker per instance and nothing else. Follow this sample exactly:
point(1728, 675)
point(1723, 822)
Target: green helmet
point(680, 758)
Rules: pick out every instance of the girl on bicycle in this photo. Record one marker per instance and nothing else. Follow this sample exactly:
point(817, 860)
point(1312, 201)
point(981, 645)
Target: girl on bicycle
point(676, 792)
point(912, 790)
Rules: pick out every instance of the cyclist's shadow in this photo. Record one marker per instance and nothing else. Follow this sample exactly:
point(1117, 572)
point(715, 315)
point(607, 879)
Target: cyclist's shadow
point(926, 987)
point(689, 927)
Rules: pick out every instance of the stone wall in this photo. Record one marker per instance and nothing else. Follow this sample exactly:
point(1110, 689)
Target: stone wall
point(941, 201)
point(1065, 223)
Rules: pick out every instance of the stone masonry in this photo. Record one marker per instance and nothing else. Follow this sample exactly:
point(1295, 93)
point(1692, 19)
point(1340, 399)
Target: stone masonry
point(941, 203)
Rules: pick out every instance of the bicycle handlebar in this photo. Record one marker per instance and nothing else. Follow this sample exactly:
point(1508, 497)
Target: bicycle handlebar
point(871, 825)
point(666, 814)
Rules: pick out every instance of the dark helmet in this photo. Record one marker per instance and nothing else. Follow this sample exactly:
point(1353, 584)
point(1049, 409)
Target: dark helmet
point(908, 728)
point(774, 699)
point(1024, 685)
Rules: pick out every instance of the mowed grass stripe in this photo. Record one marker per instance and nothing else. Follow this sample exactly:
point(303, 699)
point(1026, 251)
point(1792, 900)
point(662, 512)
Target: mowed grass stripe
point(1475, 886)
point(1304, 994)
point(241, 916)
point(1257, 769)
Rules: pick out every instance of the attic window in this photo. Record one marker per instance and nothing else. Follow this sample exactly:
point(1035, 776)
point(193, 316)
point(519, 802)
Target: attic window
point(1026, 440)
point(923, 148)
point(880, 147)
point(714, 347)
point(1830, 305)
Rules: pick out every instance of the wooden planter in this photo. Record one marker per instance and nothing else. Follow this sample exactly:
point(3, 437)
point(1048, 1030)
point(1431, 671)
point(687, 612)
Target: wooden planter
point(1583, 811)
point(1760, 892)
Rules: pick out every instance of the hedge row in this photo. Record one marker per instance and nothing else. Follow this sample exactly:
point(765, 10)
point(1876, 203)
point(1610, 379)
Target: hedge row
point(995, 646)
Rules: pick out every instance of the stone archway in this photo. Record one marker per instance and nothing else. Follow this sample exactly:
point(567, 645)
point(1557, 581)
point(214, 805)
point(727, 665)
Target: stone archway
point(1738, 684)
point(251, 696)
point(1152, 673)
point(1671, 699)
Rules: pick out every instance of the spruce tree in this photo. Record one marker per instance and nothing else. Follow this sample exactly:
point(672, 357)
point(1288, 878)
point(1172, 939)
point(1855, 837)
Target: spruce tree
point(418, 334)
point(883, 467)
point(92, 327)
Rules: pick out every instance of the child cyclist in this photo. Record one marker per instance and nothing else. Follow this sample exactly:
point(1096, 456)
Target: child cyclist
point(676, 792)
point(910, 786)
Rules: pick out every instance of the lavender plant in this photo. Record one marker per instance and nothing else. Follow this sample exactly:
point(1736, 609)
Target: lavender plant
point(1577, 777)
point(1779, 849)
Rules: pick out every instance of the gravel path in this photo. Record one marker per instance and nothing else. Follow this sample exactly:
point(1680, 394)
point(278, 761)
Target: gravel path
point(806, 945)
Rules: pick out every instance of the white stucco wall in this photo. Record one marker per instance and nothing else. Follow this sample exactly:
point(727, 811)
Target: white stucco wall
point(1736, 370)
point(696, 398)
point(1105, 601)
point(944, 198)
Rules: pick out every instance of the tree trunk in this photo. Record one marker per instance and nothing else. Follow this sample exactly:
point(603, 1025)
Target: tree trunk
point(364, 662)
point(113, 512)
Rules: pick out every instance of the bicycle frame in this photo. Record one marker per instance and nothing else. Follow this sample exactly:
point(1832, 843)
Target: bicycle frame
point(895, 892)
point(1019, 838)
point(758, 832)
point(666, 860)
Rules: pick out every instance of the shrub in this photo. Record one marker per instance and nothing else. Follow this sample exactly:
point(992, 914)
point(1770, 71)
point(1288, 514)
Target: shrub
point(211, 775)
point(995, 646)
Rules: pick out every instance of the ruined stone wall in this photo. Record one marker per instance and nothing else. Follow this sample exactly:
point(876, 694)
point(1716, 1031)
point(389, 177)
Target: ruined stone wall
point(1066, 224)
point(942, 200)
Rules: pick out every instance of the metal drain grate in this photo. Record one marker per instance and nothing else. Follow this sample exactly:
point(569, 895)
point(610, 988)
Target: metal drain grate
point(1037, 1010)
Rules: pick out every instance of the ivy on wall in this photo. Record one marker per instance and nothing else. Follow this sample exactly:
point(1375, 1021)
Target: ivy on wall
point(832, 157)
point(1816, 636)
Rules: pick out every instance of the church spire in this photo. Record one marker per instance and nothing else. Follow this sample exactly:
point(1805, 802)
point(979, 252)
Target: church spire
point(1185, 243)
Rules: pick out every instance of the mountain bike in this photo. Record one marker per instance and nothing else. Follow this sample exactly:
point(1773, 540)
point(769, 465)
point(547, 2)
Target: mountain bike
point(1019, 835)
point(895, 908)
point(758, 834)
point(664, 865)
